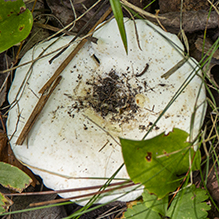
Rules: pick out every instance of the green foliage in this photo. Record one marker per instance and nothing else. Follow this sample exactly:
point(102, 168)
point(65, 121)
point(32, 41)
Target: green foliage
point(188, 204)
point(13, 178)
point(151, 201)
point(157, 162)
point(140, 211)
point(5, 203)
point(117, 11)
point(15, 23)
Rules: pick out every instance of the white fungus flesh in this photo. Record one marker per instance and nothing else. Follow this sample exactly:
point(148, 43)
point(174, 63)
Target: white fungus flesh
point(104, 94)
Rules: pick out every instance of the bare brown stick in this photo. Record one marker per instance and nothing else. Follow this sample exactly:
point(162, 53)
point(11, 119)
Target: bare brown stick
point(36, 111)
point(72, 54)
point(175, 67)
point(48, 88)
point(80, 31)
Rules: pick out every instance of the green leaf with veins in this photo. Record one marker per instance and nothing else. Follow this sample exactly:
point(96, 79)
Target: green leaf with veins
point(151, 201)
point(140, 211)
point(15, 23)
point(189, 203)
point(157, 163)
point(13, 178)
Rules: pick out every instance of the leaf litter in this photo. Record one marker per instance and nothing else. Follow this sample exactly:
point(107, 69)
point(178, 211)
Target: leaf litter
point(191, 28)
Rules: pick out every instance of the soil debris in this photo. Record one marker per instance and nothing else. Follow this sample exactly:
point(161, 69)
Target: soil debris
point(110, 95)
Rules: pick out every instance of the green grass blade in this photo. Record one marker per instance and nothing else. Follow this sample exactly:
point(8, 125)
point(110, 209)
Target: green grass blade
point(117, 11)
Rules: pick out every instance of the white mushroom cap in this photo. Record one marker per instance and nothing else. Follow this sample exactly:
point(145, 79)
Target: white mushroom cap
point(77, 132)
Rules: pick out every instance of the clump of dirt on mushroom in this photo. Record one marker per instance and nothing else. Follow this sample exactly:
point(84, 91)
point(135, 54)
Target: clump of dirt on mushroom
point(109, 95)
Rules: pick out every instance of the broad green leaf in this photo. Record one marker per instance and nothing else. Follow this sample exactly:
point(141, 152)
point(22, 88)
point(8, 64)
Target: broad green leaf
point(158, 162)
point(15, 23)
point(189, 204)
point(5, 203)
point(151, 201)
point(117, 11)
point(13, 178)
point(140, 211)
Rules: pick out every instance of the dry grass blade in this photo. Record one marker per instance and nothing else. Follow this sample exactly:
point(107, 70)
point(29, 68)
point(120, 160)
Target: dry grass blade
point(70, 33)
point(52, 28)
point(139, 10)
point(80, 196)
point(72, 55)
point(191, 21)
point(175, 67)
point(80, 31)
point(68, 190)
point(52, 83)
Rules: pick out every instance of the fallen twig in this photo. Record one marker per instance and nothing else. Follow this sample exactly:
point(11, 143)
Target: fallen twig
point(72, 55)
point(80, 196)
point(175, 67)
point(48, 88)
point(36, 111)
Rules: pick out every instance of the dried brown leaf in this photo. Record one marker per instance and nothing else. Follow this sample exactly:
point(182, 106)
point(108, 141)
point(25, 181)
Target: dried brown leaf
point(3, 77)
point(212, 184)
point(3, 147)
point(192, 21)
point(188, 5)
point(207, 47)
point(60, 8)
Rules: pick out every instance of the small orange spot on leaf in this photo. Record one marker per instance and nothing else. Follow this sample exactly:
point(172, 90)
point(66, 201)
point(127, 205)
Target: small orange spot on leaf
point(149, 156)
point(193, 197)
point(21, 28)
point(22, 9)
point(164, 152)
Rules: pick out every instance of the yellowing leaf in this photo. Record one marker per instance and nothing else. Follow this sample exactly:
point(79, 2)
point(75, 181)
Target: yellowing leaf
point(5, 203)
point(13, 178)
